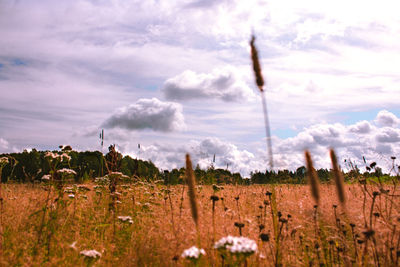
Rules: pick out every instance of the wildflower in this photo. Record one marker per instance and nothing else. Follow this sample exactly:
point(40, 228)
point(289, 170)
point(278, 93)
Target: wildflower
point(126, 219)
point(66, 171)
point(71, 196)
point(102, 180)
point(73, 245)
point(65, 157)
point(91, 253)
point(193, 253)
point(51, 155)
point(236, 245)
point(46, 177)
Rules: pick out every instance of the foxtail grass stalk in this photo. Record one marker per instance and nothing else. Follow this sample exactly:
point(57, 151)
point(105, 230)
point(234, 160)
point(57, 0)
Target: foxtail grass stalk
point(313, 177)
point(192, 195)
point(339, 181)
point(260, 85)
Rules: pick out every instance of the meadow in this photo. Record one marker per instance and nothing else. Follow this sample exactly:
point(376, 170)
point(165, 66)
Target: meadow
point(65, 216)
point(137, 223)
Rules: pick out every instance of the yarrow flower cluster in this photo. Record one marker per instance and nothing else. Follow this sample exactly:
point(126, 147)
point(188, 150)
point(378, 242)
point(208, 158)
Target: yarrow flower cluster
point(56, 156)
point(46, 177)
point(237, 245)
point(119, 175)
point(101, 181)
point(193, 253)
point(91, 253)
point(66, 171)
point(125, 219)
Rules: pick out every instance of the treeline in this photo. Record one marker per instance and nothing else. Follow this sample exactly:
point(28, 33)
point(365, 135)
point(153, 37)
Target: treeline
point(31, 166)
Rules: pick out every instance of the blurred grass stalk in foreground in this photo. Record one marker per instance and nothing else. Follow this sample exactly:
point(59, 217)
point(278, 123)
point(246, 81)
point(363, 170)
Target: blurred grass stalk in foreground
point(260, 85)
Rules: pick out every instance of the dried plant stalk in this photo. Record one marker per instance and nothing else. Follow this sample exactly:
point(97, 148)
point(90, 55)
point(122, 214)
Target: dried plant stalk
point(339, 181)
point(256, 65)
point(312, 174)
point(260, 84)
point(191, 190)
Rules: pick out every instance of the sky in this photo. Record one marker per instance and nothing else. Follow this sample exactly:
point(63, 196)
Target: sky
point(176, 77)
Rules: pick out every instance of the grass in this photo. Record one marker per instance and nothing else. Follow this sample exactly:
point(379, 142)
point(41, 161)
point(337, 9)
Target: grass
point(331, 237)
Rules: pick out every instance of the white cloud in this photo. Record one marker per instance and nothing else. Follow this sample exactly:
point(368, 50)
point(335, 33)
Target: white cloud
point(224, 84)
point(4, 145)
point(388, 135)
point(362, 127)
point(386, 118)
point(172, 156)
point(148, 114)
point(351, 142)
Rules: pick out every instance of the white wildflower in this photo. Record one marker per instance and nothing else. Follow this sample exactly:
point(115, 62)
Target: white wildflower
point(73, 245)
point(71, 196)
point(66, 171)
point(235, 244)
point(126, 219)
point(113, 175)
point(102, 180)
point(65, 157)
point(91, 253)
point(69, 190)
point(51, 155)
point(46, 177)
point(118, 202)
point(193, 253)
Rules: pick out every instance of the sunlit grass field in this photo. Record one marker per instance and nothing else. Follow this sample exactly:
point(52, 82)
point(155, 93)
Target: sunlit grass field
point(41, 226)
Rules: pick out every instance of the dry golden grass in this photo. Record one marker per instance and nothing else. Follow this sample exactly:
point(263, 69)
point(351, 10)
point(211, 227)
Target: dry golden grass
point(151, 239)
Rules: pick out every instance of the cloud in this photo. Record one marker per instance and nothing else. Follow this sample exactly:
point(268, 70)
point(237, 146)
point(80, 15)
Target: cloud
point(4, 145)
point(386, 118)
point(148, 114)
point(168, 156)
point(224, 84)
point(350, 141)
point(362, 127)
point(388, 135)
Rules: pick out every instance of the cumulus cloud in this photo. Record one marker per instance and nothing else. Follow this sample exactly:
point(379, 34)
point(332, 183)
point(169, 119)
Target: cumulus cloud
point(224, 84)
point(202, 153)
point(386, 118)
point(362, 127)
point(388, 135)
point(4, 145)
point(148, 114)
point(351, 142)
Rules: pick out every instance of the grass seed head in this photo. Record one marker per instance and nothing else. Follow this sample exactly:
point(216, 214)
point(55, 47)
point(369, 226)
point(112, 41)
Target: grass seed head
point(312, 174)
point(339, 181)
point(191, 189)
point(256, 65)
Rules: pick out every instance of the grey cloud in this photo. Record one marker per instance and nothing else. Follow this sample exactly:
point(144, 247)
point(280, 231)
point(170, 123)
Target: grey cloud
point(362, 127)
point(384, 149)
point(224, 84)
point(148, 114)
point(388, 135)
point(386, 118)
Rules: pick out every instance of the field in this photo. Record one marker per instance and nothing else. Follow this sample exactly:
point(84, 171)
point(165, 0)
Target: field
point(43, 225)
